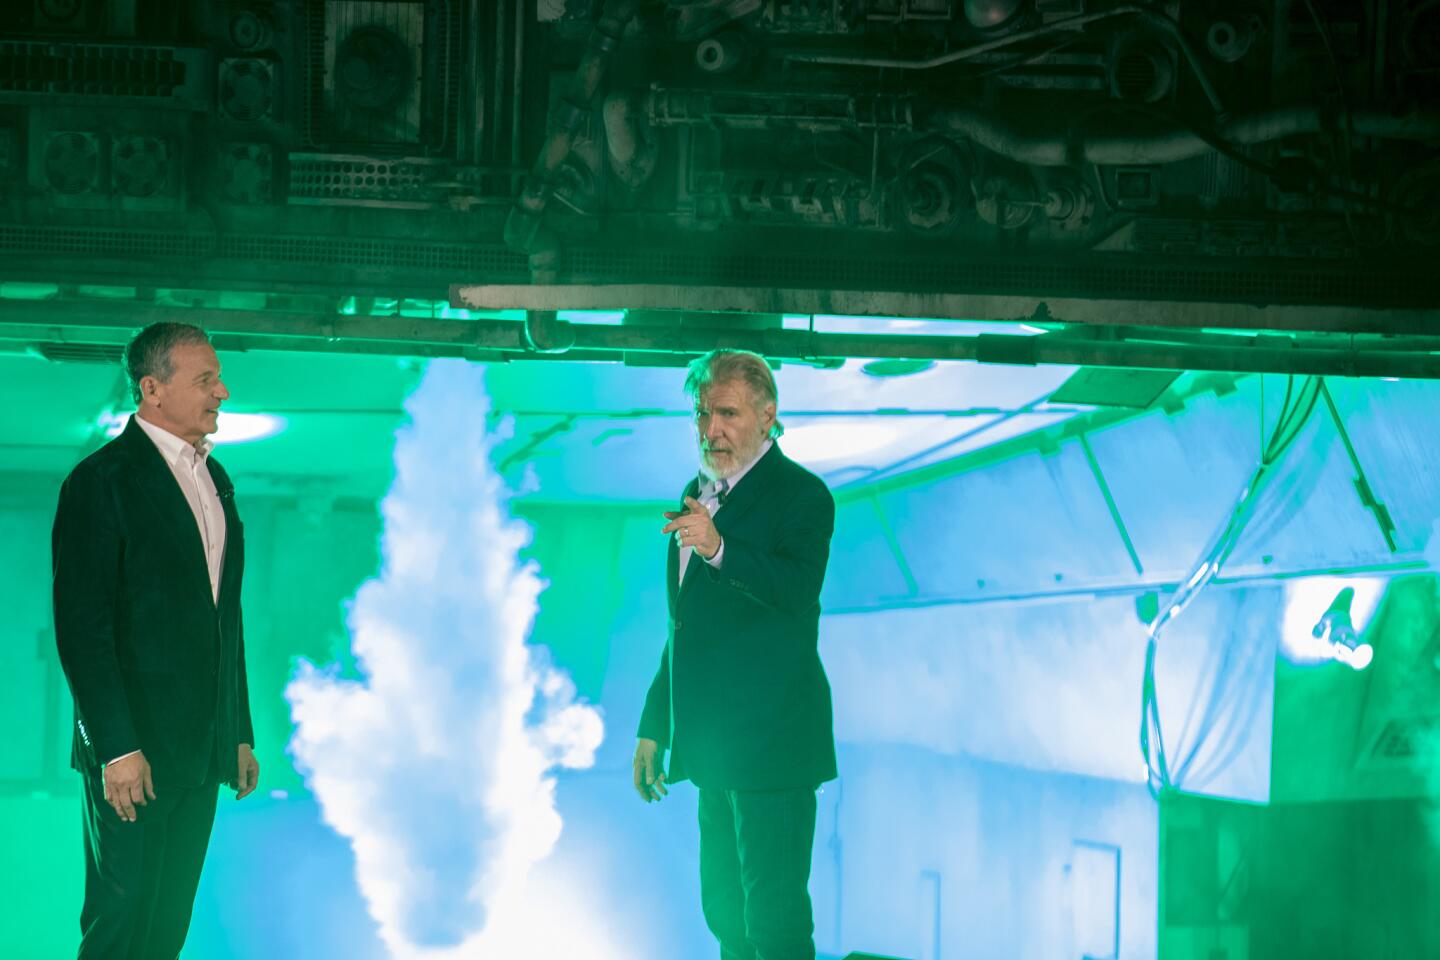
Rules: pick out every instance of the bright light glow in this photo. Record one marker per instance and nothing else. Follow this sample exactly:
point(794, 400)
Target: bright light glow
point(438, 763)
point(14, 290)
point(1357, 659)
point(608, 318)
point(231, 427)
point(842, 439)
point(246, 427)
point(835, 323)
point(106, 293)
point(1307, 600)
point(525, 927)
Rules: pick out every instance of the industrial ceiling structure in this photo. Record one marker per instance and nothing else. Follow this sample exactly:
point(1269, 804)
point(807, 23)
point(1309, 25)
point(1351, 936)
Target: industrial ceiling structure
point(1038, 278)
point(952, 224)
point(1128, 177)
point(1055, 185)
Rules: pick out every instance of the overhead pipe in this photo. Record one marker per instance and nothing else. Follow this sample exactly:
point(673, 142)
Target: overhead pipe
point(1117, 587)
point(1171, 142)
point(1148, 15)
point(545, 332)
point(765, 109)
point(1166, 146)
point(525, 227)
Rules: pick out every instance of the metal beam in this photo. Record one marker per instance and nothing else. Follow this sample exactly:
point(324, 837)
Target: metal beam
point(1405, 564)
point(499, 339)
point(955, 306)
point(1111, 505)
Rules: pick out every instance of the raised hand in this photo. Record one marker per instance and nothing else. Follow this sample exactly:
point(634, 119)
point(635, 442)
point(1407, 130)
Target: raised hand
point(694, 528)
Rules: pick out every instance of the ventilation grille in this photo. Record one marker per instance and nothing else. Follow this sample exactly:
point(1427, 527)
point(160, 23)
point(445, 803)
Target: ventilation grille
point(1231, 237)
point(95, 353)
point(312, 110)
point(101, 70)
point(1135, 76)
point(408, 93)
point(129, 244)
point(317, 178)
point(457, 261)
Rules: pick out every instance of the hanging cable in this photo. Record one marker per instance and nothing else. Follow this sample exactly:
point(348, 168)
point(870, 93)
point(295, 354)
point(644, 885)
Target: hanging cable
point(1294, 412)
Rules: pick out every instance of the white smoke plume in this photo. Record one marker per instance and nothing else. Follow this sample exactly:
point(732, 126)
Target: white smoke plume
point(438, 762)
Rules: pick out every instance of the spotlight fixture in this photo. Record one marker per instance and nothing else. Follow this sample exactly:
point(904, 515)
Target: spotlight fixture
point(1335, 627)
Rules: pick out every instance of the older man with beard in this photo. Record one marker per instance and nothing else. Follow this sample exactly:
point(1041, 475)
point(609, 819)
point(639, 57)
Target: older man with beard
point(740, 700)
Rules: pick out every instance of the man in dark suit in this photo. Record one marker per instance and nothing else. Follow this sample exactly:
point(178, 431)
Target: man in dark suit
point(148, 554)
point(740, 700)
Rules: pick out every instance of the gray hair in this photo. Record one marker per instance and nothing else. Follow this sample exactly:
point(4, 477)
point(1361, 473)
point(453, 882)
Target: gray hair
point(731, 366)
point(148, 353)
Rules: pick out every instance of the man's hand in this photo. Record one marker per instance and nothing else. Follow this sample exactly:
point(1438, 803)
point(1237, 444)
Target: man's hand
point(694, 528)
point(247, 772)
point(127, 783)
point(649, 770)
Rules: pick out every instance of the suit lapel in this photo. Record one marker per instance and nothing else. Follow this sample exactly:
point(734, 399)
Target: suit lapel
point(234, 532)
point(160, 487)
point(673, 567)
point(745, 495)
point(747, 492)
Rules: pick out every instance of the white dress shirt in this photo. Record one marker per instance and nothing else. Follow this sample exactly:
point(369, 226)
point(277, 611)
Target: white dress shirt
point(709, 495)
point(188, 464)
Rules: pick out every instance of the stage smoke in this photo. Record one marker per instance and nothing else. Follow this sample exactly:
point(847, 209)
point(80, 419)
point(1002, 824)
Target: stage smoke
point(438, 761)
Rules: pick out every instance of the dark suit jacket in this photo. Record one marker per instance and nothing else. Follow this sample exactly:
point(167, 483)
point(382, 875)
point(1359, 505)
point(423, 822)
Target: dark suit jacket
point(740, 698)
point(154, 663)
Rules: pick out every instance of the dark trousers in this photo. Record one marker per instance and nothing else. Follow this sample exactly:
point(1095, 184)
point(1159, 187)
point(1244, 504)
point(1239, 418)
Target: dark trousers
point(755, 872)
point(141, 877)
